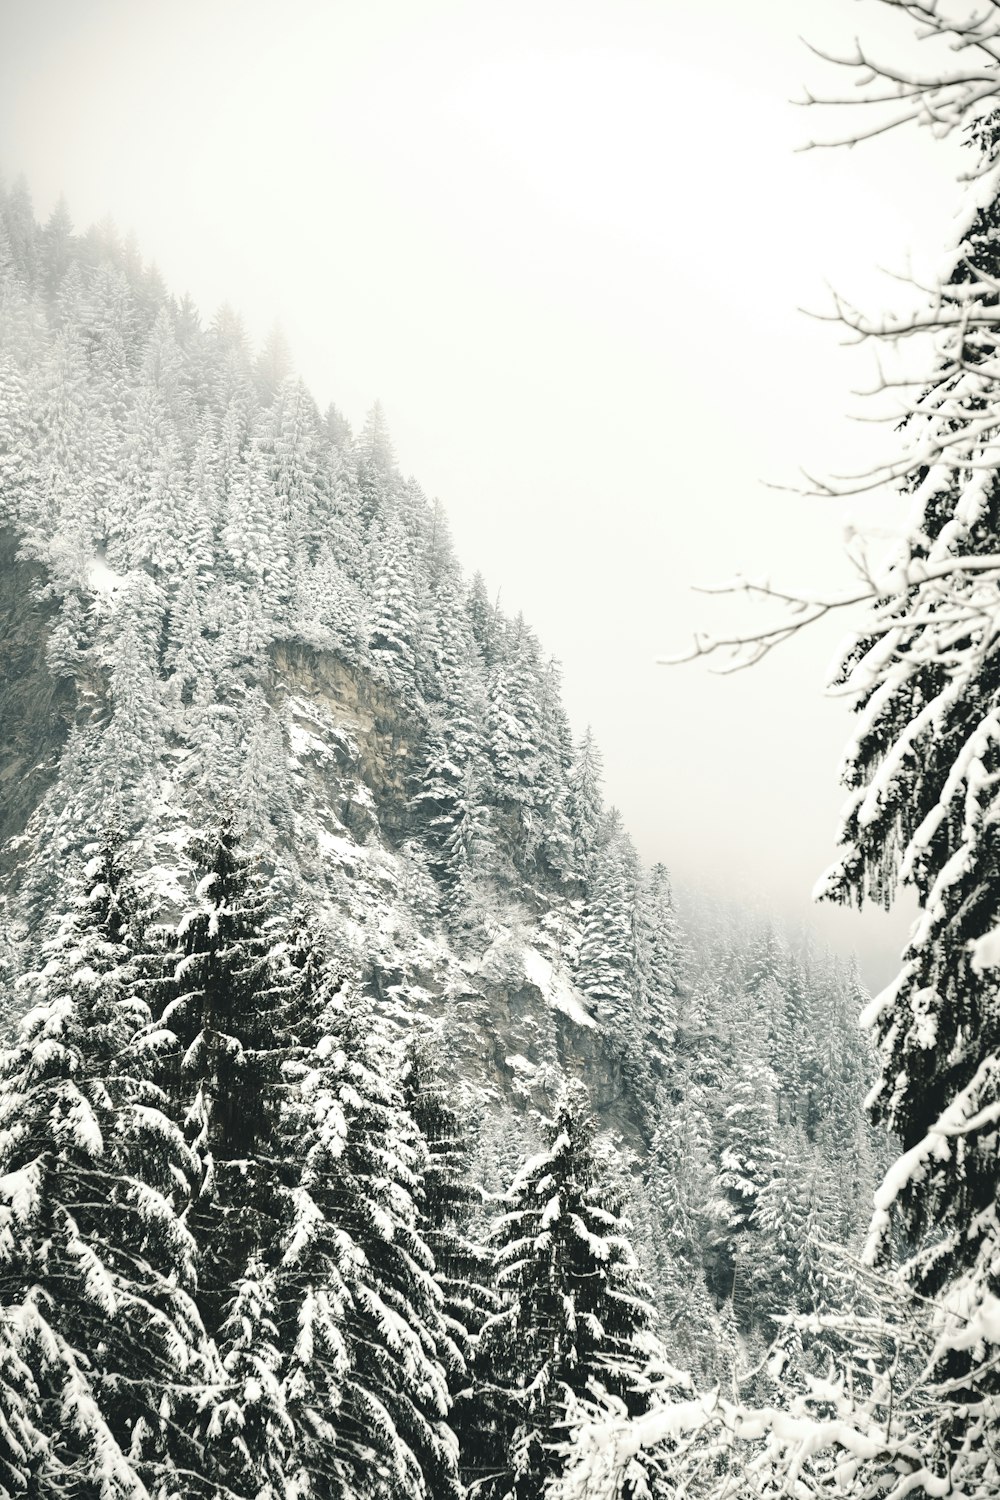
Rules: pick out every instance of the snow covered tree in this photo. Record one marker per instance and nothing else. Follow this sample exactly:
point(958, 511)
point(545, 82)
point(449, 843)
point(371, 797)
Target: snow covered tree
point(448, 1199)
point(136, 727)
point(585, 802)
point(922, 775)
point(367, 1342)
point(451, 802)
point(605, 962)
point(376, 462)
point(272, 367)
point(576, 1315)
point(394, 615)
point(291, 446)
point(100, 1331)
point(23, 233)
point(657, 962)
point(675, 1195)
point(56, 248)
point(486, 619)
point(747, 1165)
point(227, 1008)
point(164, 370)
point(17, 466)
point(513, 708)
point(59, 507)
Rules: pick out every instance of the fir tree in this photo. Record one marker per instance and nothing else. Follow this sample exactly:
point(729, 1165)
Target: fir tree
point(604, 965)
point(448, 1202)
point(366, 1378)
point(921, 810)
point(56, 248)
point(226, 1013)
point(395, 618)
point(585, 802)
point(575, 1320)
point(97, 1264)
point(376, 462)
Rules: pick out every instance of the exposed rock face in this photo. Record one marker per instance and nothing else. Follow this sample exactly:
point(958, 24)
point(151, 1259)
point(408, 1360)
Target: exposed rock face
point(35, 709)
point(377, 739)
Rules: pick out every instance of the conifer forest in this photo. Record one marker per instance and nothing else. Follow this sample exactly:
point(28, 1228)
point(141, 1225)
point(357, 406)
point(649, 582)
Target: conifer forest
point(375, 1124)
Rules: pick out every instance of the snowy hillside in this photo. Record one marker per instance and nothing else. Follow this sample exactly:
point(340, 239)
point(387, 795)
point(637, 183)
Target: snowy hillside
point(318, 935)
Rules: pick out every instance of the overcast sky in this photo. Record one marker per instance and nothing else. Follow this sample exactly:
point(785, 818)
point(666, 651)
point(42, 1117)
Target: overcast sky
point(565, 243)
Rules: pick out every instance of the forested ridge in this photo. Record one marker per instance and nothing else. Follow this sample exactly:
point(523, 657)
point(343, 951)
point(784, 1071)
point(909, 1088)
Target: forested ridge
point(368, 1112)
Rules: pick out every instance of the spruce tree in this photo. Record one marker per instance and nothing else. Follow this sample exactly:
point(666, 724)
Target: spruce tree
point(921, 811)
point(449, 1200)
point(228, 1013)
point(376, 462)
point(101, 1334)
point(56, 248)
point(747, 1166)
point(367, 1342)
point(606, 958)
point(574, 1325)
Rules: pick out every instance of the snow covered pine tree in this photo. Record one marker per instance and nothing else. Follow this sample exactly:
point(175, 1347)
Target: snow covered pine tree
point(923, 771)
point(575, 1322)
point(99, 1331)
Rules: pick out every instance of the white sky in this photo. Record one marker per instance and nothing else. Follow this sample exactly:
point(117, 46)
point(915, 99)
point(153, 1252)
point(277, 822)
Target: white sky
point(565, 242)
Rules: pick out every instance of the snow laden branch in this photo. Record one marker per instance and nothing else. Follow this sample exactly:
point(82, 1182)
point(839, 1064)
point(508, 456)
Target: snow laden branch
point(927, 609)
point(949, 73)
point(948, 400)
point(846, 1404)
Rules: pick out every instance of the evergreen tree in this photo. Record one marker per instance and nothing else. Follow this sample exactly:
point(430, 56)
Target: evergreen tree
point(135, 730)
point(272, 367)
point(747, 1165)
point(17, 465)
point(675, 1193)
point(448, 1200)
point(575, 1320)
point(370, 1346)
point(394, 620)
point(450, 801)
point(376, 462)
point(338, 428)
point(22, 231)
point(486, 620)
point(585, 802)
point(661, 965)
point(291, 446)
point(56, 248)
point(100, 1332)
point(604, 965)
point(229, 1002)
point(921, 810)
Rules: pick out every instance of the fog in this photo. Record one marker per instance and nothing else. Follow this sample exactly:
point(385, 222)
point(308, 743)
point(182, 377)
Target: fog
point(566, 245)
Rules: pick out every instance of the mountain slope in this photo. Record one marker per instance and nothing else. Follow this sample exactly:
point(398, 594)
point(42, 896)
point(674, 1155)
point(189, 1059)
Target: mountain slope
point(221, 607)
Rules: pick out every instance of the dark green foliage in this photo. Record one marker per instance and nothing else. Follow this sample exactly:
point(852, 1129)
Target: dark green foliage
point(97, 1262)
point(575, 1316)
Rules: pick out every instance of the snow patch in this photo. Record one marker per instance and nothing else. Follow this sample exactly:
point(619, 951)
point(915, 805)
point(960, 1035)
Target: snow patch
point(557, 988)
point(303, 741)
point(101, 578)
point(881, 1002)
point(986, 951)
point(518, 1063)
point(343, 849)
